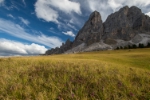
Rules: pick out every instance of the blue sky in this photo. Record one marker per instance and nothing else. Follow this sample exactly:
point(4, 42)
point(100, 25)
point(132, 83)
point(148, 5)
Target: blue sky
point(30, 27)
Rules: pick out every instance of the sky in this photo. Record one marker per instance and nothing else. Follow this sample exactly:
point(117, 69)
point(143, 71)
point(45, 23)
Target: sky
point(31, 27)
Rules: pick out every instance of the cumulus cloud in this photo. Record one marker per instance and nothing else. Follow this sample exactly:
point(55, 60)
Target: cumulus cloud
point(69, 33)
point(18, 31)
point(12, 48)
point(45, 9)
point(25, 21)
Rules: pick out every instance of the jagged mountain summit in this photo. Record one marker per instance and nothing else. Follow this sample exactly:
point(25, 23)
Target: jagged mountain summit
point(91, 31)
point(127, 26)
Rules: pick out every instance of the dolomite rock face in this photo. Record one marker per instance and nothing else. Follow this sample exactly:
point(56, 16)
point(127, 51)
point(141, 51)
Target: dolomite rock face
point(120, 29)
point(91, 32)
point(126, 23)
point(119, 24)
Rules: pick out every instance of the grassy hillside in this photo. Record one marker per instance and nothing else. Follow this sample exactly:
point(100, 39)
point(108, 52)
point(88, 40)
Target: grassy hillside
point(105, 75)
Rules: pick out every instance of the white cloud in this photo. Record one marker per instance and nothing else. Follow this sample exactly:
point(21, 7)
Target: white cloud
point(71, 26)
point(106, 7)
point(52, 30)
point(25, 21)
point(148, 14)
point(45, 9)
point(11, 16)
point(1, 1)
point(13, 5)
point(18, 31)
point(120, 3)
point(24, 2)
point(11, 48)
point(70, 33)
point(114, 5)
point(66, 6)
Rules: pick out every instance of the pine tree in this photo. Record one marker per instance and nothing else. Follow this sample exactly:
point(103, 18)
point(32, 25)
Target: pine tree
point(148, 45)
point(129, 47)
point(125, 47)
point(121, 47)
point(134, 46)
point(141, 45)
point(117, 48)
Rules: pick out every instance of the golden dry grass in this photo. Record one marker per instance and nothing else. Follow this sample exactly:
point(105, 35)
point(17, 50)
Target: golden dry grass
point(105, 75)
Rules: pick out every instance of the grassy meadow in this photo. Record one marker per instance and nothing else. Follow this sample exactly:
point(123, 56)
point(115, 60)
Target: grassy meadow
point(103, 75)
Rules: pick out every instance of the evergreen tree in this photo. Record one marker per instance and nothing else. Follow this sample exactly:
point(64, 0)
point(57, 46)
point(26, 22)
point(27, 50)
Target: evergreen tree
point(134, 46)
point(148, 45)
point(125, 47)
point(117, 48)
point(121, 47)
point(129, 47)
point(141, 45)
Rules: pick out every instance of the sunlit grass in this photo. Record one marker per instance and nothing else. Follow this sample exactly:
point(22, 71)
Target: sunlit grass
point(106, 75)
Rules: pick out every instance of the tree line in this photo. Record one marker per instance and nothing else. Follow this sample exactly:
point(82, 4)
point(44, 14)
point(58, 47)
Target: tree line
point(140, 45)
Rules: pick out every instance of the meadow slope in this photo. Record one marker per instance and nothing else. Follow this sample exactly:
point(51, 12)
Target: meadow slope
point(104, 75)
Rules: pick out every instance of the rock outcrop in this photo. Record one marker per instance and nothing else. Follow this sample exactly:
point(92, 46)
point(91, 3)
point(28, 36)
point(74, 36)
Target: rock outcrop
point(62, 49)
point(124, 27)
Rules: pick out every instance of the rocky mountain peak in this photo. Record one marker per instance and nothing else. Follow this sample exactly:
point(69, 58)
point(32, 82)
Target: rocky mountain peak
point(124, 10)
point(119, 29)
point(91, 31)
point(119, 25)
point(68, 41)
point(95, 17)
point(135, 9)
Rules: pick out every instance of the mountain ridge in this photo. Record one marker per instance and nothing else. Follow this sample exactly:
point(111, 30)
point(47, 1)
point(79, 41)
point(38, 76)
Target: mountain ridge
point(122, 28)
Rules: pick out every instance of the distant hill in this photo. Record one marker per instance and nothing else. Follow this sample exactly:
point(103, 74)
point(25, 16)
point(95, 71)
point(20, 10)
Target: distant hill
point(125, 27)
